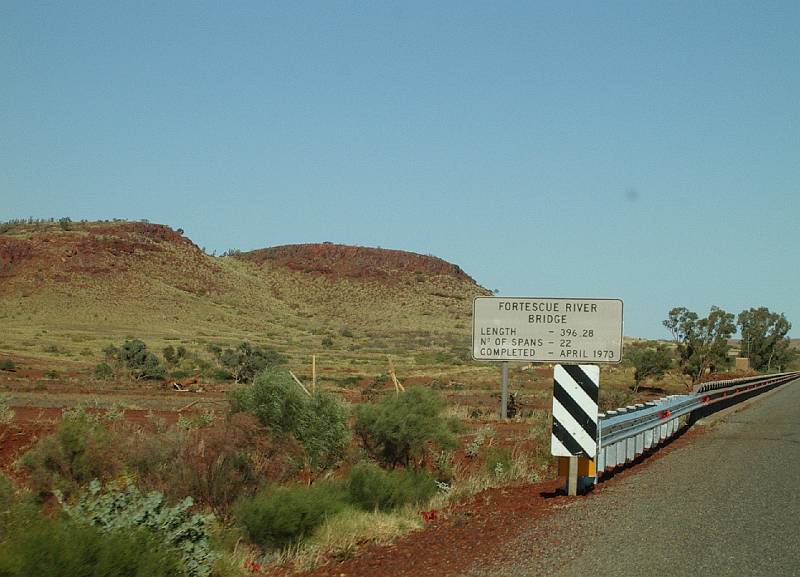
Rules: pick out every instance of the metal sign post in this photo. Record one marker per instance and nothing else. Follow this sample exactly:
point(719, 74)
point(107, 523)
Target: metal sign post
point(504, 392)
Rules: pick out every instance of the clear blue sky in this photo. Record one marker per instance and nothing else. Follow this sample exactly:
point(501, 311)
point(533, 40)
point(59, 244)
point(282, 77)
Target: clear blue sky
point(648, 151)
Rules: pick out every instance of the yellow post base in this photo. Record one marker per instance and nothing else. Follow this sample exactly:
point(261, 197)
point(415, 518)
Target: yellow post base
point(586, 467)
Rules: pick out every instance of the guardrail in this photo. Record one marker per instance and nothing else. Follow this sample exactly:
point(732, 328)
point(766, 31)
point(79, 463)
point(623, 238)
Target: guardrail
point(628, 432)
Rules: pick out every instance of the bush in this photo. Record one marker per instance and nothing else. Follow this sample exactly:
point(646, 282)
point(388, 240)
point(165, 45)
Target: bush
point(80, 450)
point(370, 487)
point(220, 375)
point(246, 361)
point(103, 371)
point(319, 423)
point(7, 365)
point(281, 516)
point(401, 428)
point(142, 363)
point(220, 463)
point(126, 509)
point(34, 544)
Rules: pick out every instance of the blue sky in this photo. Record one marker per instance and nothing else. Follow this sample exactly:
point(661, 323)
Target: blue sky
point(637, 150)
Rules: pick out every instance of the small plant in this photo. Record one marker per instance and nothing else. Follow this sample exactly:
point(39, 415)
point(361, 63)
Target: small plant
point(115, 413)
point(279, 516)
point(476, 443)
point(196, 420)
point(6, 412)
point(7, 365)
point(373, 488)
point(499, 462)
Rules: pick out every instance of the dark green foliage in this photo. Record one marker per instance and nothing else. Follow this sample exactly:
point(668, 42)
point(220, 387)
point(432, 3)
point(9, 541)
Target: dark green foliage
point(702, 343)
point(764, 339)
point(103, 371)
point(649, 359)
point(32, 544)
point(7, 494)
point(280, 516)
point(400, 428)
point(222, 375)
point(169, 354)
point(247, 360)
point(371, 487)
point(327, 342)
point(7, 365)
point(173, 356)
point(65, 223)
point(319, 422)
point(142, 363)
point(126, 508)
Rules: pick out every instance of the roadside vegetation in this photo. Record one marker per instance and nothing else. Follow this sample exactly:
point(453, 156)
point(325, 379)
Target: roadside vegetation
point(300, 467)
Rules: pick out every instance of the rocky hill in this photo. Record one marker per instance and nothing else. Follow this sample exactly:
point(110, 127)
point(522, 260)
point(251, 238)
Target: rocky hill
point(73, 287)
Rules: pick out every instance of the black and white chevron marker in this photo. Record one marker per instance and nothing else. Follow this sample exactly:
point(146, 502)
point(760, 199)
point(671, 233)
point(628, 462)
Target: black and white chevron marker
point(575, 391)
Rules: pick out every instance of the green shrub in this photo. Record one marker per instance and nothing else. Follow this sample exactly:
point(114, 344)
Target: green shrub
point(281, 516)
point(127, 508)
point(36, 545)
point(498, 461)
point(400, 429)
point(103, 371)
point(247, 360)
point(319, 422)
point(78, 451)
point(142, 363)
point(7, 365)
point(7, 494)
point(370, 487)
point(220, 375)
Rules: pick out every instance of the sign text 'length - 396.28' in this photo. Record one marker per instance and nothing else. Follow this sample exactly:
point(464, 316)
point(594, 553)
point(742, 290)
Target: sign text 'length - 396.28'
point(547, 330)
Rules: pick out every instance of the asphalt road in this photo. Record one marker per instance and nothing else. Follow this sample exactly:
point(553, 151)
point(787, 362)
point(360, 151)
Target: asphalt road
point(725, 503)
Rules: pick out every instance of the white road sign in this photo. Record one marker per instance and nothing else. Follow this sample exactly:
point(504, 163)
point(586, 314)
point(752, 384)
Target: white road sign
point(549, 330)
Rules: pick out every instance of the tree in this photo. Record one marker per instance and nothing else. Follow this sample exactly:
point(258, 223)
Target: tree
point(764, 339)
point(142, 363)
point(702, 342)
point(649, 359)
point(246, 361)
